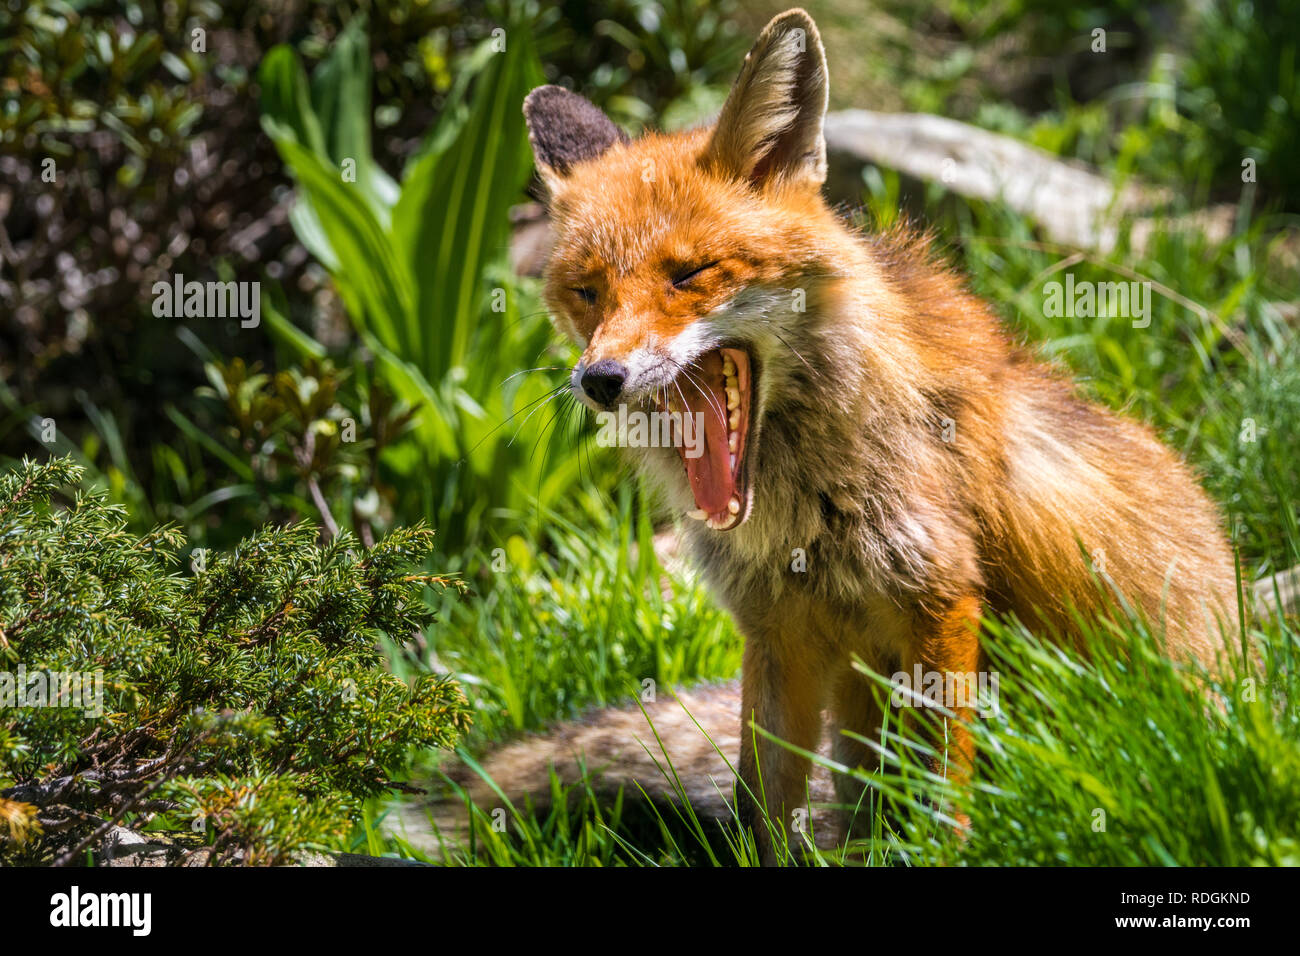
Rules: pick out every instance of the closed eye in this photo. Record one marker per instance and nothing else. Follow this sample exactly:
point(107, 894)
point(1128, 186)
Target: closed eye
point(684, 277)
point(586, 293)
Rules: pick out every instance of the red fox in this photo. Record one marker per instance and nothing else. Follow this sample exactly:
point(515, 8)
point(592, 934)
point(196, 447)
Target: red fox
point(881, 465)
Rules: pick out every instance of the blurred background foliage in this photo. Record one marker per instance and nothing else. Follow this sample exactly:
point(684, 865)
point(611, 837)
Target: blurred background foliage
point(175, 133)
point(366, 163)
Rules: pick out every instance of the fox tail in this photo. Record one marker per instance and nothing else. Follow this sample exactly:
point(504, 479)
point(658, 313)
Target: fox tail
point(682, 745)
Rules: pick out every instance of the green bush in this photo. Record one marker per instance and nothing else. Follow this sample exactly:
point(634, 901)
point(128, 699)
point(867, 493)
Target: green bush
point(246, 702)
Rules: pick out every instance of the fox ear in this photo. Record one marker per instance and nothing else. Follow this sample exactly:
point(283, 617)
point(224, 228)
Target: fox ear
point(566, 129)
point(771, 125)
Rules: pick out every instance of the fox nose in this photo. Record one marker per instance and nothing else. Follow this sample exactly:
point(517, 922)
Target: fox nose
point(603, 380)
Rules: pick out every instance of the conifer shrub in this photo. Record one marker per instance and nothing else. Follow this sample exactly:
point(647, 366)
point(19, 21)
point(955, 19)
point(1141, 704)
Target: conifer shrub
point(238, 712)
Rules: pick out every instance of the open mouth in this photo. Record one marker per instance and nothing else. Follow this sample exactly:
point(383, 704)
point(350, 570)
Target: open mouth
point(718, 390)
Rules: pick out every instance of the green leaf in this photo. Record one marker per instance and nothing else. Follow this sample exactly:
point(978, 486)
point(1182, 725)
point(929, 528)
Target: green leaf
point(213, 447)
point(376, 279)
point(340, 92)
point(273, 311)
point(285, 97)
point(452, 219)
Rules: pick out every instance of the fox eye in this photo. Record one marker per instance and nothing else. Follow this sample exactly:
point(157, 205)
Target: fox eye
point(584, 292)
point(689, 273)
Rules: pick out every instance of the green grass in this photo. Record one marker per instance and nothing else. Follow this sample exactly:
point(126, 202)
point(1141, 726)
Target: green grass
point(1124, 758)
point(1127, 761)
point(582, 617)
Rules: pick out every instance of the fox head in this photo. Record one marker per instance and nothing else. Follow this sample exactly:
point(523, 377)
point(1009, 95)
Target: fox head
point(683, 264)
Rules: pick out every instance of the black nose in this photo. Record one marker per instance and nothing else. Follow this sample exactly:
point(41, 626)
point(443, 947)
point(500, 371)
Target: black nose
point(603, 380)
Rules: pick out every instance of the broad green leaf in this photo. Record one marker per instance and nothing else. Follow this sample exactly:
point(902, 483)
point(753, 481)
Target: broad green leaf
point(286, 99)
point(374, 271)
point(452, 219)
point(340, 93)
point(454, 108)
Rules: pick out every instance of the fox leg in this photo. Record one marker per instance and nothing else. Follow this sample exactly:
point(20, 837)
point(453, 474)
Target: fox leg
point(947, 644)
point(782, 693)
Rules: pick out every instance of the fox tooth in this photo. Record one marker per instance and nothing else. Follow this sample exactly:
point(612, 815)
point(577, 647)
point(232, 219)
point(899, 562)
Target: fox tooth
point(733, 398)
point(733, 441)
point(698, 514)
point(734, 506)
point(733, 462)
point(734, 421)
point(728, 366)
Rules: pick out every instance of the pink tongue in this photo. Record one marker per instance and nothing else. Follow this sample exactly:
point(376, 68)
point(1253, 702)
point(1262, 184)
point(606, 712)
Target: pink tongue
point(709, 474)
